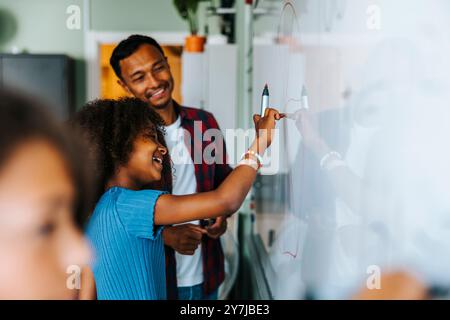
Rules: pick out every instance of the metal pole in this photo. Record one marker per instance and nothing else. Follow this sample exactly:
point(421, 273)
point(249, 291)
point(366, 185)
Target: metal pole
point(248, 62)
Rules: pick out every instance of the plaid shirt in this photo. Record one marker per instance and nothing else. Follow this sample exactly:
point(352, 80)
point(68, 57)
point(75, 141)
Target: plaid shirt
point(208, 177)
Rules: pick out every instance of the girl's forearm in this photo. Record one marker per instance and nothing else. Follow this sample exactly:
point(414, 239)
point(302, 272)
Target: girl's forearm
point(236, 186)
point(225, 200)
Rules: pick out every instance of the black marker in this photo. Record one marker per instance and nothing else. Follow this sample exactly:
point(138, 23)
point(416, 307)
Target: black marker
point(264, 100)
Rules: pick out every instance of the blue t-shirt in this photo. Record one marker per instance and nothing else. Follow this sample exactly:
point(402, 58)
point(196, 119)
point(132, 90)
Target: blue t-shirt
point(129, 253)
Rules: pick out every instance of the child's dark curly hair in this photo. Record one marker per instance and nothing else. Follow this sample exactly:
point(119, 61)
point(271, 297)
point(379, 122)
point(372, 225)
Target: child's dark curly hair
point(110, 128)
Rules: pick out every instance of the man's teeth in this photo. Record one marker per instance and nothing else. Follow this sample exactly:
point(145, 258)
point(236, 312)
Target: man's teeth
point(157, 92)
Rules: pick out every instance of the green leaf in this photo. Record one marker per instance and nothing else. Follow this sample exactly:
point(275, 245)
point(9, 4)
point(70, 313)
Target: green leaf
point(188, 11)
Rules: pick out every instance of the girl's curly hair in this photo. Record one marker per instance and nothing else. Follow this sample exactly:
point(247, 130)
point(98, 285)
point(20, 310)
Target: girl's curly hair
point(110, 127)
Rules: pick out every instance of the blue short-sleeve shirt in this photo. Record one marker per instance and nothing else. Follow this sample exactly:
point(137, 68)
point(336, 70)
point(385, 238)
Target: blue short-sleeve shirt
point(129, 253)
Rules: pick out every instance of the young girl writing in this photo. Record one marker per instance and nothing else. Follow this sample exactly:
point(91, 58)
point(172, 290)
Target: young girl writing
point(128, 150)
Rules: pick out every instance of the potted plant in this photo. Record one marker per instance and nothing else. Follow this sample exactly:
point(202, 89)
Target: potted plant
point(188, 11)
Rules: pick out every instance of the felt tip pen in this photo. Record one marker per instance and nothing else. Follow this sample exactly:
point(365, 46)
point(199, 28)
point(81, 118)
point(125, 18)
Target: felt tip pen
point(305, 104)
point(264, 100)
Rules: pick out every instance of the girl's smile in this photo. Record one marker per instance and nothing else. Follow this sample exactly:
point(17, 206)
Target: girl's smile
point(157, 159)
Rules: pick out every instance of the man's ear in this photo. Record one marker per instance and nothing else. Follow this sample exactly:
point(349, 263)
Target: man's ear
point(124, 86)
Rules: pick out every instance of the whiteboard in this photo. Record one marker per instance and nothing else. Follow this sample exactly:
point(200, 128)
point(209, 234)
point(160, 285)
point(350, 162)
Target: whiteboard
point(376, 74)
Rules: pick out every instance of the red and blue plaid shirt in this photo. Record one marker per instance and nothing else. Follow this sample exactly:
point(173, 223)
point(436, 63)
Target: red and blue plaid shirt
point(208, 177)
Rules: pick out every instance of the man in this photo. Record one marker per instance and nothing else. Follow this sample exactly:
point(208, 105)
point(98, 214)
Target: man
point(193, 272)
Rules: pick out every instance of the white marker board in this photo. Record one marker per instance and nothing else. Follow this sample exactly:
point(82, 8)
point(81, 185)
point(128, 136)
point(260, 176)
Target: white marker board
point(378, 95)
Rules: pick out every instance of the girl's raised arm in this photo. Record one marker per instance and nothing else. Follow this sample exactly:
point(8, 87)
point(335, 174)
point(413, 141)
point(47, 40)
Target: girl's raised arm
point(228, 197)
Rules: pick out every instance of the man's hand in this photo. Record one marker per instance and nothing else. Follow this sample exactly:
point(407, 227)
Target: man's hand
point(218, 228)
point(184, 238)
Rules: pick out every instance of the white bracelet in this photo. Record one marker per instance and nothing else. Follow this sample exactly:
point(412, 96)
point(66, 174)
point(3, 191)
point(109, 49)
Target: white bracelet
point(248, 162)
point(334, 163)
point(326, 157)
point(260, 159)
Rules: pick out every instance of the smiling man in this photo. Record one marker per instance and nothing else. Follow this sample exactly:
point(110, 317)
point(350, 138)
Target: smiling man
point(194, 262)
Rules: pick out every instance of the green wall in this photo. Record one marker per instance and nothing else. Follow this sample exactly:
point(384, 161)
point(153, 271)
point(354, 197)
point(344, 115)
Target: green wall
point(39, 26)
point(135, 15)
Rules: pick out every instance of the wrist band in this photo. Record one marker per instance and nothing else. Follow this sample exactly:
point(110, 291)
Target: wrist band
point(256, 158)
point(253, 153)
point(249, 162)
point(332, 160)
point(257, 155)
point(334, 163)
point(326, 157)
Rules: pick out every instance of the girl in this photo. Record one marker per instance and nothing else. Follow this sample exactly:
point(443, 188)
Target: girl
point(127, 146)
point(41, 193)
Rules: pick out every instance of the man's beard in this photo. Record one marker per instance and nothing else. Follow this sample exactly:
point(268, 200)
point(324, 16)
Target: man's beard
point(160, 106)
point(163, 106)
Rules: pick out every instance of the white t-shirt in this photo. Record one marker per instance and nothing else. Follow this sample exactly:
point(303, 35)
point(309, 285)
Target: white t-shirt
point(189, 268)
